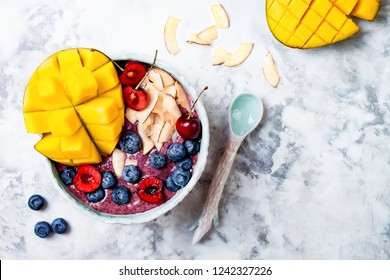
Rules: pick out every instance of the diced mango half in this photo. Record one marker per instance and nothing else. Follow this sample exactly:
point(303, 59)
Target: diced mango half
point(316, 23)
point(74, 98)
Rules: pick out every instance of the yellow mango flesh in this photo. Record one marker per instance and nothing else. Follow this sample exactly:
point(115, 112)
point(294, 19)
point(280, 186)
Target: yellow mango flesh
point(74, 98)
point(316, 23)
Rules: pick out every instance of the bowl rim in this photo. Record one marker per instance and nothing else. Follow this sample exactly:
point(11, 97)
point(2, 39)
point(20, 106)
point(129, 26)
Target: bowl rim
point(154, 213)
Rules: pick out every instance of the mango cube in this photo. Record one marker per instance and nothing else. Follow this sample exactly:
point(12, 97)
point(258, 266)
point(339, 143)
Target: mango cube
point(69, 60)
point(37, 122)
point(100, 110)
point(52, 94)
point(366, 9)
point(76, 145)
point(50, 146)
point(31, 98)
point(64, 122)
point(81, 85)
point(106, 147)
point(116, 94)
point(93, 157)
point(106, 77)
point(50, 67)
point(92, 59)
point(105, 132)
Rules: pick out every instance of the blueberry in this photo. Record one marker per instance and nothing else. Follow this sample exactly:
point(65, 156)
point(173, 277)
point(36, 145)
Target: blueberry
point(42, 229)
point(181, 177)
point(176, 152)
point(157, 160)
point(131, 173)
point(96, 196)
point(170, 185)
point(108, 179)
point(59, 225)
point(67, 175)
point(35, 202)
point(130, 142)
point(186, 164)
point(192, 147)
point(121, 195)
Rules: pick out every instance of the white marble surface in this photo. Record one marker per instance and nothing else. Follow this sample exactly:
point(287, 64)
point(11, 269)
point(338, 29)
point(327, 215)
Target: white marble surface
point(311, 183)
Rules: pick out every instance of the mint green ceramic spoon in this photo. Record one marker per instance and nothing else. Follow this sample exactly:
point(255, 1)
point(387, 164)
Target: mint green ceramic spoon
point(245, 113)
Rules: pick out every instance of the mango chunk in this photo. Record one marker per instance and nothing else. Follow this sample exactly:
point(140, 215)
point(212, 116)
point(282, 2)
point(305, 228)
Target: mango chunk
point(366, 9)
point(106, 77)
point(316, 23)
point(100, 110)
point(116, 94)
point(64, 122)
point(81, 85)
point(50, 146)
point(37, 122)
point(92, 59)
point(76, 145)
point(31, 101)
point(50, 68)
point(106, 147)
point(105, 132)
point(93, 157)
point(52, 94)
point(69, 60)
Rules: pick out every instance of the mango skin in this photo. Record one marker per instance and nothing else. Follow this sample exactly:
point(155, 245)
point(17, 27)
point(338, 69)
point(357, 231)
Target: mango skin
point(66, 83)
point(315, 23)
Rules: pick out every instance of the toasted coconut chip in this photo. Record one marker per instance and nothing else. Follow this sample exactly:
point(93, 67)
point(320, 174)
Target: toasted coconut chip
point(167, 79)
point(220, 16)
point(156, 80)
point(205, 37)
point(118, 161)
point(170, 106)
point(171, 90)
point(141, 116)
point(130, 161)
point(220, 55)
point(147, 143)
point(240, 55)
point(270, 72)
point(156, 131)
point(166, 132)
point(182, 97)
point(170, 30)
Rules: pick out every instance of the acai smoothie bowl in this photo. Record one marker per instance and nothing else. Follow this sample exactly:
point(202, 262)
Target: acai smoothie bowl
point(126, 139)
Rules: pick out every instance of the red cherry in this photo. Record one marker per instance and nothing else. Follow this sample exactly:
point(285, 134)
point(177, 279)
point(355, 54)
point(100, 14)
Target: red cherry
point(136, 99)
point(87, 178)
point(188, 128)
point(150, 190)
point(132, 74)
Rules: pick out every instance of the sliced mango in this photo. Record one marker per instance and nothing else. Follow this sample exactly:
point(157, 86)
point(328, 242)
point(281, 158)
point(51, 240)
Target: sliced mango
point(74, 98)
point(316, 23)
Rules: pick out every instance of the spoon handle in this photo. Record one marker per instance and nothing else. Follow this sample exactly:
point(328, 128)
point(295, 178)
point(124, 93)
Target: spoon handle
point(210, 209)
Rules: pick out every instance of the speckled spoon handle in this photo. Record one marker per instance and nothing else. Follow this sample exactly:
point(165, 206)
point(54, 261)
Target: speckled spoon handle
point(210, 209)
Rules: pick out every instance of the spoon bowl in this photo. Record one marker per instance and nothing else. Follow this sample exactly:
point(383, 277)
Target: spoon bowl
point(245, 113)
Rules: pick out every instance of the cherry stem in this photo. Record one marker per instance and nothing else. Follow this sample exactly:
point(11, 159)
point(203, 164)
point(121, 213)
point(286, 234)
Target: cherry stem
point(113, 61)
point(196, 100)
point(147, 73)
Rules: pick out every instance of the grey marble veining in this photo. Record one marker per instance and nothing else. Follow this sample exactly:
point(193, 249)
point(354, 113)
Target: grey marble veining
point(312, 182)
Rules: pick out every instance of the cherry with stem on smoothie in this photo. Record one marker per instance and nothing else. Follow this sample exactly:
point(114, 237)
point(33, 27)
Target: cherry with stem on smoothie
point(187, 126)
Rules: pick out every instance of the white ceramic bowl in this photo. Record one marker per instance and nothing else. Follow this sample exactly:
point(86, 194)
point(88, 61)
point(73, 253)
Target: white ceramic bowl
point(180, 194)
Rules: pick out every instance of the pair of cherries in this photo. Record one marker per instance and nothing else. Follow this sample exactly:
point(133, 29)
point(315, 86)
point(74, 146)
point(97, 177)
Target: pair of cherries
point(136, 98)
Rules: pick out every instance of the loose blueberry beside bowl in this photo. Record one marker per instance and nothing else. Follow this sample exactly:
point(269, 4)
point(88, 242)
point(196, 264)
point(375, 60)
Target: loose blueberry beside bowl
point(36, 202)
point(42, 229)
point(59, 225)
